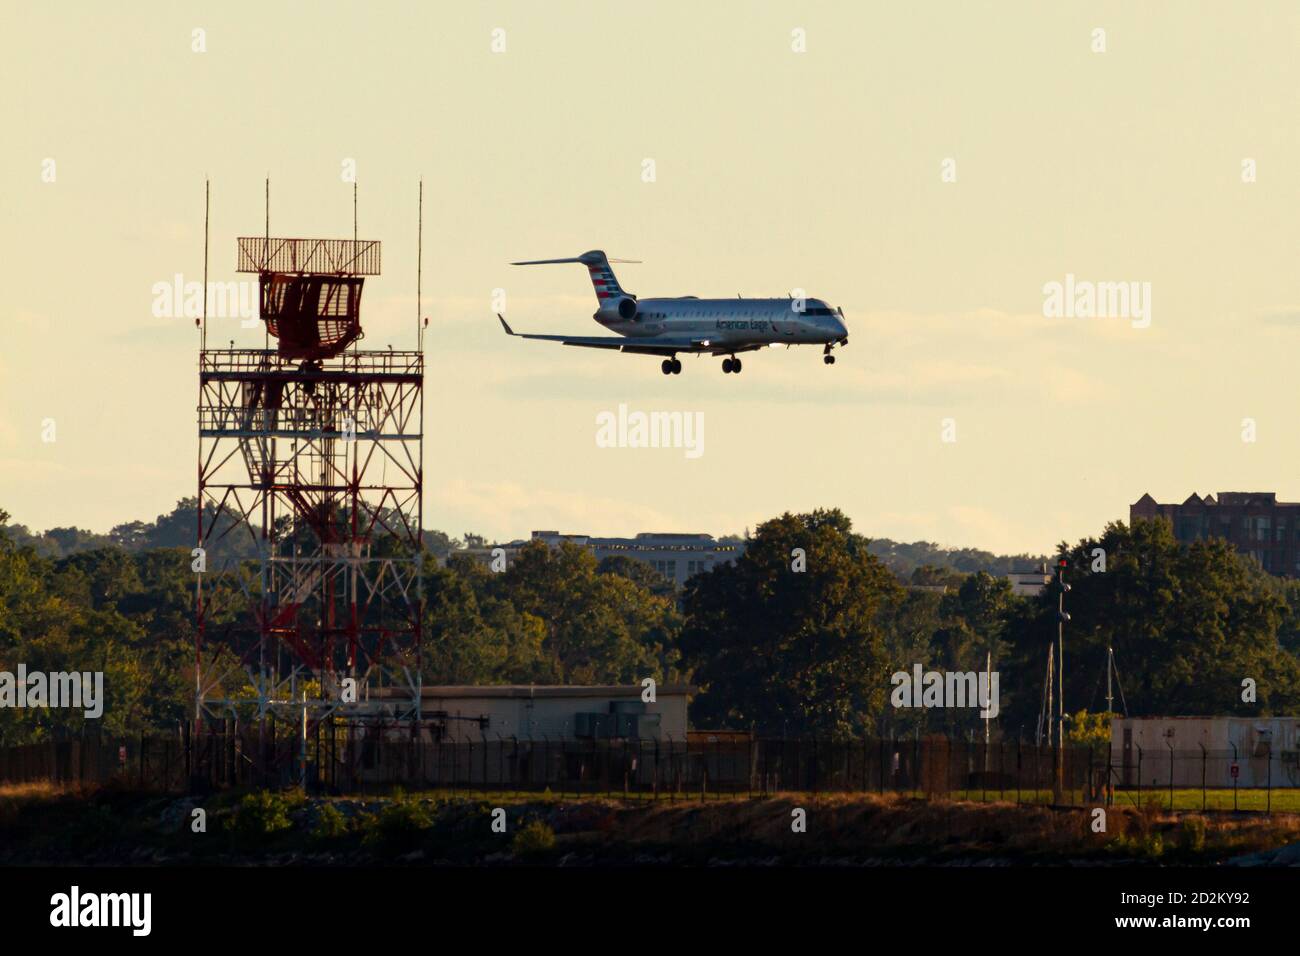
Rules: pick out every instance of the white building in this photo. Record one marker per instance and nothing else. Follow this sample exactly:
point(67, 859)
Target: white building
point(1029, 583)
point(548, 711)
point(1262, 749)
point(676, 556)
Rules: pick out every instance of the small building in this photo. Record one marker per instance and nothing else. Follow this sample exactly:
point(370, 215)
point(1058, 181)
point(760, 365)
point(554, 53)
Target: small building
point(1263, 751)
point(677, 557)
point(460, 714)
point(1029, 583)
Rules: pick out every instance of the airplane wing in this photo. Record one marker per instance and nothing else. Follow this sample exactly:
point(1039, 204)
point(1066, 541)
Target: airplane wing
point(660, 345)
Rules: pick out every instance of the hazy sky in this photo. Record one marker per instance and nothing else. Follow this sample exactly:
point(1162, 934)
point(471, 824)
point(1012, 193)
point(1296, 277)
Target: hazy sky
point(774, 170)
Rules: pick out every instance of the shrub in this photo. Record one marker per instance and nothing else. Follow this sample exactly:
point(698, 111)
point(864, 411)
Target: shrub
point(1193, 834)
point(533, 839)
point(399, 823)
point(330, 824)
point(261, 815)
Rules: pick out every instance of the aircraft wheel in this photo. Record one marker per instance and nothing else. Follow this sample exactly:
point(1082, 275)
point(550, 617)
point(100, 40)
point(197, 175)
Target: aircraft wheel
point(735, 366)
point(829, 359)
point(726, 366)
point(667, 366)
point(677, 366)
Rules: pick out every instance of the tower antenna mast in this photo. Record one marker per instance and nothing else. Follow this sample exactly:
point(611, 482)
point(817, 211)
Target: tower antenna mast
point(419, 268)
point(207, 207)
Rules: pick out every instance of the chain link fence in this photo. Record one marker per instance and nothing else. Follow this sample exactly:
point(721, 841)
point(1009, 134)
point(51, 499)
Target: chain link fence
point(347, 758)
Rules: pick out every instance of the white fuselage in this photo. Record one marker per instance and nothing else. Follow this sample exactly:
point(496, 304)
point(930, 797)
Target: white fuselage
point(736, 322)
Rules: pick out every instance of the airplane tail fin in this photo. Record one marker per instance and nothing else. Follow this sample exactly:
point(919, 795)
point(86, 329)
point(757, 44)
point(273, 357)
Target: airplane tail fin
point(602, 275)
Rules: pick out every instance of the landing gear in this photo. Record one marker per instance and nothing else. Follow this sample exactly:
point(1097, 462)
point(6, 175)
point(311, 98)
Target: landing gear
point(672, 366)
point(731, 365)
point(828, 359)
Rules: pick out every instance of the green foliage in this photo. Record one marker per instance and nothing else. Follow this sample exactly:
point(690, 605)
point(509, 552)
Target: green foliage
point(1143, 845)
point(402, 821)
point(1192, 834)
point(263, 814)
point(1187, 623)
point(1088, 730)
point(792, 651)
point(934, 563)
point(551, 617)
point(771, 649)
point(534, 838)
point(331, 824)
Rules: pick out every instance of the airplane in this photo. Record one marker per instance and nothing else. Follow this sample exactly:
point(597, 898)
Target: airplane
point(692, 325)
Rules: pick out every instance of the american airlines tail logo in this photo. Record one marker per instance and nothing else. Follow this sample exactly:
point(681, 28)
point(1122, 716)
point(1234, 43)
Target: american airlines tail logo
point(605, 283)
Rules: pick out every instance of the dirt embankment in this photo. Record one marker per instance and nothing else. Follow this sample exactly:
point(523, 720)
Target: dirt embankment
point(48, 826)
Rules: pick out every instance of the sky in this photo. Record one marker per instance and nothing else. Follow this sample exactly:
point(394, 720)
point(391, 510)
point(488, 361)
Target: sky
point(930, 168)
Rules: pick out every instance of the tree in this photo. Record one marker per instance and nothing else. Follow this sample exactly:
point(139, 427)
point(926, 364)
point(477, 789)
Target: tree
point(1187, 624)
point(792, 651)
point(600, 628)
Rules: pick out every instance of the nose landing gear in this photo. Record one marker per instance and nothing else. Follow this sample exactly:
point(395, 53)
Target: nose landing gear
point(827, 357)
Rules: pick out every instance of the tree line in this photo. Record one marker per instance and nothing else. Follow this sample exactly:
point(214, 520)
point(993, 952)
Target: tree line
point(799, 636)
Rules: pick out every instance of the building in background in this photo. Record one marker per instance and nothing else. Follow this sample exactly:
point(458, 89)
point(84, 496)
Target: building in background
point(676, 556)
point(472, 714)
point(1254, 522)
point(1029, 583)
point(1221, 751)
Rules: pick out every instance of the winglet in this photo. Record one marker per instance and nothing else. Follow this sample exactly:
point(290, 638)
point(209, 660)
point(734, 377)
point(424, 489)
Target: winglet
point(509, 331)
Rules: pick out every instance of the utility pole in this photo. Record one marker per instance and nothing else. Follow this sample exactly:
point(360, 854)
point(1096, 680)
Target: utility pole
point(1110, 662)
point(1061, 617)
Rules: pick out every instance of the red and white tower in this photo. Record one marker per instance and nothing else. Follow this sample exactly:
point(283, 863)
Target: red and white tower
point(309, 507)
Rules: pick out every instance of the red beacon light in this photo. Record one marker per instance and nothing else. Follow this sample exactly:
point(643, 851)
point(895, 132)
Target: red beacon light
point(310, 291)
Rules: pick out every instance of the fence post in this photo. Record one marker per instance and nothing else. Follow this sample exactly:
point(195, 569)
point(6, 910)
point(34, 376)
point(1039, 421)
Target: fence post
point(749, 766)
point(1091, 782)
point(1204, 758)
point(1234, 777)
point(704, 775)
point(984, 773)
point(882, 766)
point(1002, 770)
point(916, 764)
point(1268, 805)
point(1171, 778)
point(1139, 795)
point(1110, 770)
point(672, 771)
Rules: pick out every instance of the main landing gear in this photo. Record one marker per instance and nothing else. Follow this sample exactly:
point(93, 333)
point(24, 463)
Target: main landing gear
point(672, 366)
point(730, 365)
point(827, 357)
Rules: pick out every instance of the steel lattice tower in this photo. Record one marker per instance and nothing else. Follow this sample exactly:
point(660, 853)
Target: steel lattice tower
point(309, 504)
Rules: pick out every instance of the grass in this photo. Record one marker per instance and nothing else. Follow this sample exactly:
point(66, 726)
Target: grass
point(1184, 800)
point(52, 825)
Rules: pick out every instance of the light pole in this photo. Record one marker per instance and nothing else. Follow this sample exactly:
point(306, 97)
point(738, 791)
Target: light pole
point(1061, 617)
